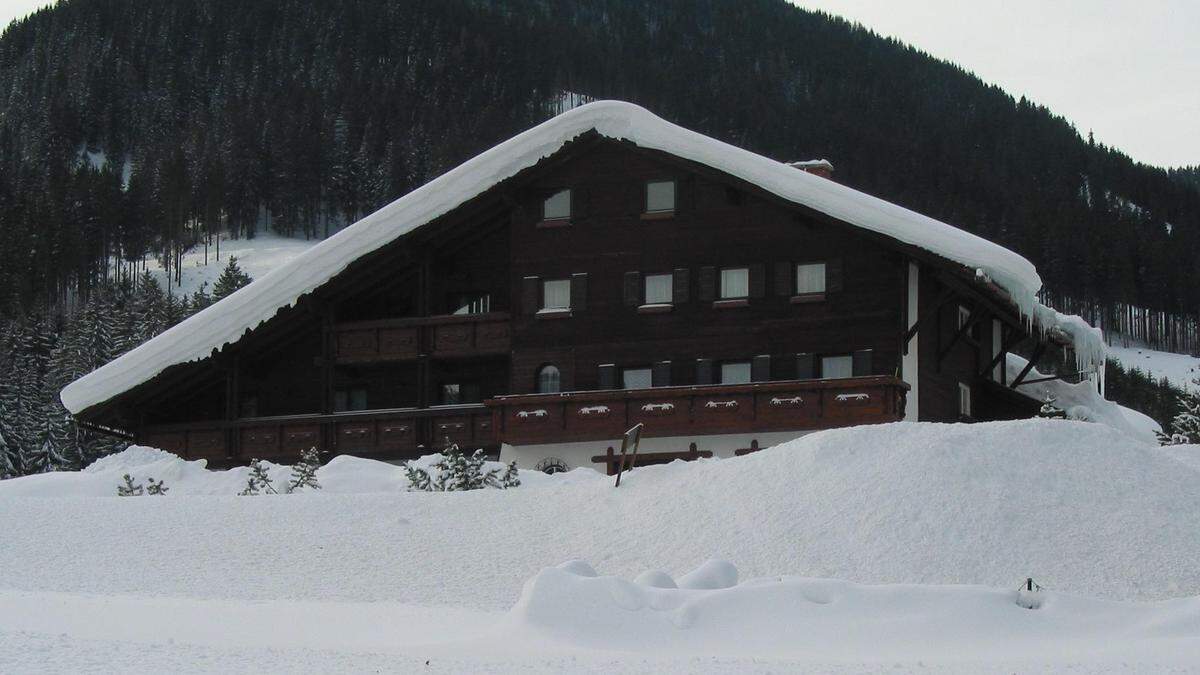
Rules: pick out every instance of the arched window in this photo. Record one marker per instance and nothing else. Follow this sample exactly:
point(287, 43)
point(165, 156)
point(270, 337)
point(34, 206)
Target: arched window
point(548, 380)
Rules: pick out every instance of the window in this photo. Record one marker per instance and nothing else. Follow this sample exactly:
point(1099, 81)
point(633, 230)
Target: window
point(735, 372)
point(964, 316)
point(557, 206)
point(354, 398)
point(549, 380)
point(556, 294)
point(964, 400)
point(735, 283)
point(833, 367)
point(660, 196)
point(636, 378)
point(472, 303)
point(658, 289)
point(810, 278)
point(456, 393)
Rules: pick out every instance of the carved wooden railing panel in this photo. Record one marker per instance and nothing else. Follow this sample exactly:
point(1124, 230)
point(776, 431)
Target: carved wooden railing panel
point(794, 405)
point(455, 335)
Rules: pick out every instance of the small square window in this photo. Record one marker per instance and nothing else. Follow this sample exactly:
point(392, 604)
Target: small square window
point(735, 372)
point(735, 283)
point(810, 278)
point(354, 398)
point(660, 196)
point(636, 378)
point(458, 393)
point(557, 206)
point(658, 289)
point(964, 316)
point(556, 294)
point(835, 367)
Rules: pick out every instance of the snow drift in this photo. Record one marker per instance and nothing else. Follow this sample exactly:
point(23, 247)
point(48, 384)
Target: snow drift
point(1078, 506)
point(817, 619)
point(226, 321)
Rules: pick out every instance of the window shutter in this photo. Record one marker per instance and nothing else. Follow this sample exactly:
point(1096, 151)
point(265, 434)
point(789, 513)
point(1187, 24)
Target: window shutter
point(579, 203)
point(661, 375)
point(805, 366)
point(607, 376)
point(784, 285)
point(862, 363)
point(833, 275)
point(680, 286)
point(633, 288)
point(704, 371)
point(760, 369)
point(579, 291)
point(530, 295)
point(708, 284)
point(758, 280)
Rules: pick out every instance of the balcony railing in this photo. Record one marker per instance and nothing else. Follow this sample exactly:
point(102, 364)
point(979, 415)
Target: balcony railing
point(445, 336)
point(398, 433)
point(794, 405)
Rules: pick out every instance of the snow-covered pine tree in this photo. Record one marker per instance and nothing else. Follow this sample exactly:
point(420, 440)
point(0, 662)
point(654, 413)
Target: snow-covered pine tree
point(1185, 426)
point(1051, 411)
point(304, 472)
point(8, 465)
point(258, 480)
point(201, 298)
point(129, 489)
point(510, 479)
point(155, 487)
point(231, 279)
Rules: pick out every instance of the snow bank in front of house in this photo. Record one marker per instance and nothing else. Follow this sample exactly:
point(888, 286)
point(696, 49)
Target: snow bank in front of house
point(344, 474)
point(1078, 506)
point(817, 619)
point(226, 321)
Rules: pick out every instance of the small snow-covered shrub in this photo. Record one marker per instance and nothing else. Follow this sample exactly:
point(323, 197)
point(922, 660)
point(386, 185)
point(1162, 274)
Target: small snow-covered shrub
point(304, 472)
point(258, 481)
point(1185, 426)
point(456, 472)
point(129, 489)
point(155, 488)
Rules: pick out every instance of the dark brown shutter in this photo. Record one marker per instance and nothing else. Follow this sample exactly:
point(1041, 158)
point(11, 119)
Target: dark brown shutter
point(862, 363)
point(833, 275)
point(579, 203)
point(579, 291)
point(660, 376)
point(633, 288)
point(607, 376)
point(704, 371)
point(531, 300)
point(760, 369)
point(758, 280)
point(784, 285)
point(681, 283)
point(806, 366)
point(708, 284)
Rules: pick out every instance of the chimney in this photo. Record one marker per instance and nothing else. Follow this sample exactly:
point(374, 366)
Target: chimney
point(817, 167)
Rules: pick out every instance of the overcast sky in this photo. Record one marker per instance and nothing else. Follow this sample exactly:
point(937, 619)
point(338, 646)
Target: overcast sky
point(1128, 70)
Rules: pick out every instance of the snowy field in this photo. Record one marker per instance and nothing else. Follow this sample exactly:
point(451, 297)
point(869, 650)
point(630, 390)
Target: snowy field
point(257, 256)
point(887, 548)
point(1179, 369)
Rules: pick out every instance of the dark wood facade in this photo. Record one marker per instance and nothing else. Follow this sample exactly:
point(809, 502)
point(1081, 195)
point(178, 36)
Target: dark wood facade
point(376, 363)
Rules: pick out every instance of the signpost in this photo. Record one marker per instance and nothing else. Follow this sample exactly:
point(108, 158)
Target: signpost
point(633, 438)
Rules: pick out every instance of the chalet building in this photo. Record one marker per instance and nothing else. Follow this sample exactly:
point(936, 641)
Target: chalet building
point(602, 269)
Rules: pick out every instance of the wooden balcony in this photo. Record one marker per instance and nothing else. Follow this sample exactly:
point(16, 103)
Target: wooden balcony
point(795, 405)
point(400, 433)
point(446, 336)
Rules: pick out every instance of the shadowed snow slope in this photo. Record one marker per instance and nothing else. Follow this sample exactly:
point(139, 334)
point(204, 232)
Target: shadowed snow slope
point(1079, 507)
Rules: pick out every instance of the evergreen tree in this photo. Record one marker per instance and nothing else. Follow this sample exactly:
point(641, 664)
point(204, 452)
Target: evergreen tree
point(259, 480)
point(128, 488)
point(1185, 426)
point(304, 472)
point(231, 279)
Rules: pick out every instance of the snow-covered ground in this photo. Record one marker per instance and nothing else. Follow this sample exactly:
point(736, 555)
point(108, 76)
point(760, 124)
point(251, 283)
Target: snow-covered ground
point(942, 521)
point(1179, 369)
point(257, 256)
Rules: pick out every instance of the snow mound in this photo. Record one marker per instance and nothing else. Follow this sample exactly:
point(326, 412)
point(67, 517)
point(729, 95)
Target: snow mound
point(712, 574)
point(797, 617)
point(1079, 507)
point(344, 474)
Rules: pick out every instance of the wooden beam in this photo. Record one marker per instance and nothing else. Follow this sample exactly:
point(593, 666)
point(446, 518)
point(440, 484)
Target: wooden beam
point(1037, 354)
point(1013, 338)
point(972, 319)
point(946, 296)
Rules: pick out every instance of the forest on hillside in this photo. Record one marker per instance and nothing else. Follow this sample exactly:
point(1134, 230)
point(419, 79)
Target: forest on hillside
point(131, 129)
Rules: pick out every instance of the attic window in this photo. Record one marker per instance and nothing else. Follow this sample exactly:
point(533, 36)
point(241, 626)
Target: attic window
point(557, 206)
point(660, 196)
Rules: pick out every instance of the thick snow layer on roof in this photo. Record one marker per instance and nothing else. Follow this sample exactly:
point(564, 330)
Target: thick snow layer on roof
point(226, 321)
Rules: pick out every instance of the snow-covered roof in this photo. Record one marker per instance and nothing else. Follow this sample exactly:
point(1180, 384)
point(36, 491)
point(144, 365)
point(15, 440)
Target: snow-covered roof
point(228, 320)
